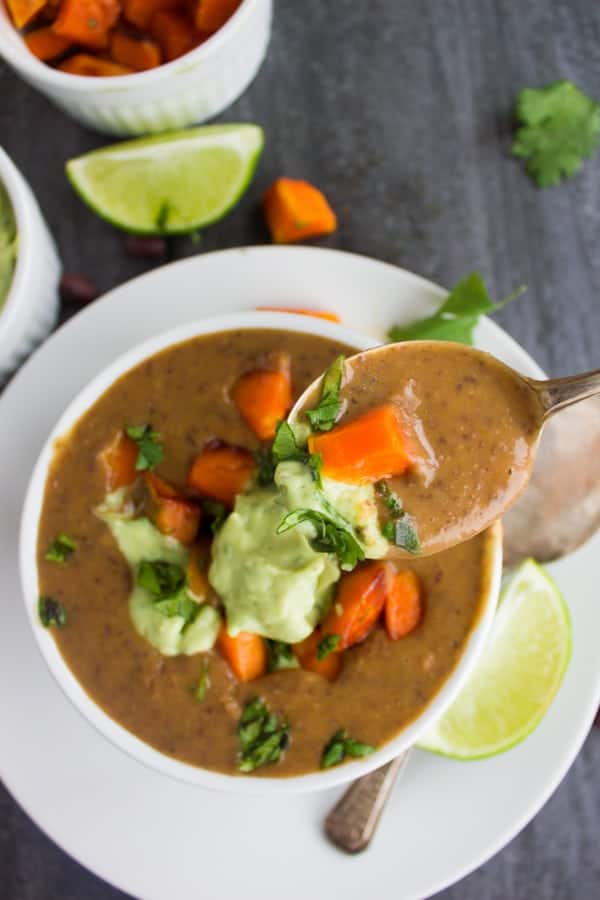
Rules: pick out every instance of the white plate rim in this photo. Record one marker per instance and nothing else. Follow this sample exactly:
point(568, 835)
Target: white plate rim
point(495, 333)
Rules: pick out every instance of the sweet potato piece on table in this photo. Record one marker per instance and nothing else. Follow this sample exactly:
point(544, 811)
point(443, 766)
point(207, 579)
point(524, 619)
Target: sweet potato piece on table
point(246, 653)
point(295, 210)
point(404, 605)
point(92, 66)
point(307, 654)
point(137, 53)
point(170, 512)
point(46, 44)
point(359, 601)
point(222, 472)
point(175, 33)
point(87, 22)
point(212, 14)
point(118, 460)
point(367, 449)
point(23, 11)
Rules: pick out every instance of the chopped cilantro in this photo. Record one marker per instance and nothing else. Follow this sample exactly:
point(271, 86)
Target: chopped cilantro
point(162, 579)
point(458, 315)
point(51, 612)
point(262, 736)
point(61, 549)
point(333, 534)
point(325, 414)
point(266, 465)
point(401, 528)
point(216, 512)
point(341, 746)
point(150, 451)
point(280, 656)
point(559, 126)
point(327, 645)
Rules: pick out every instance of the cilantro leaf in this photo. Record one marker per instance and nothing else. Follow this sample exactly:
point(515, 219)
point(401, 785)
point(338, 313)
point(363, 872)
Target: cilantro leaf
point(181, 604)
point(327, 645)
point(262, 736)
point(285, 448)
point(280, 656)
point(61, 549)
point(559, 127)
point(51, 612)
point(150, 450)
point(333, 534)
point(458, 315)
point(401, 528)
point(216, 512)
point(266, 465)
point(340, 746)
point(161, 579)
point(325, 414)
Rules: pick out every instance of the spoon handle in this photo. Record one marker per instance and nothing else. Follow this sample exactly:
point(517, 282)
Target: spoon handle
point(353, 820)
point(560, 392)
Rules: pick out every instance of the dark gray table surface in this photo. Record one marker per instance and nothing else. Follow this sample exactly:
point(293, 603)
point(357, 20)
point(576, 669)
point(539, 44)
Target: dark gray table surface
point(401, 112)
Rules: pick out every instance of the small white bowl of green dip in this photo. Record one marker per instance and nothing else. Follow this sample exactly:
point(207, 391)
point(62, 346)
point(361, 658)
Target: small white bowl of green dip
point(29, 270)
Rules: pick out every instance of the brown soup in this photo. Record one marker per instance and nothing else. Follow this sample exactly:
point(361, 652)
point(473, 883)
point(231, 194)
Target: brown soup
point(185, 393)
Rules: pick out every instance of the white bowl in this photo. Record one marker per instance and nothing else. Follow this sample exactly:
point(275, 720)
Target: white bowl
point(31, 307)
point(191, 89)
point(116, 733)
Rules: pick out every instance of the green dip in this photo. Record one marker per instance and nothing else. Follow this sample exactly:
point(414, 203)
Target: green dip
point(8, 244)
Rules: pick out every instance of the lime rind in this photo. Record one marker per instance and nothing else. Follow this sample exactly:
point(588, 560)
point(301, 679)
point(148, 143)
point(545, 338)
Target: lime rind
point(169, 184)
point(517, 676)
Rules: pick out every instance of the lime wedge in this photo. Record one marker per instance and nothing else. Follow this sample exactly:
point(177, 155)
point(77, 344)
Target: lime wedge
point(171, 183)
point(517, 676)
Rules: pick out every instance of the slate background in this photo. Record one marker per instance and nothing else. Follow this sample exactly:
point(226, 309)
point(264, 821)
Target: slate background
point(401, 112)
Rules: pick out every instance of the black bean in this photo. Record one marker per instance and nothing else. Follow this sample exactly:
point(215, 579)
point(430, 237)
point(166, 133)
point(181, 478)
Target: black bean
point(147, 247)
point(77, 289)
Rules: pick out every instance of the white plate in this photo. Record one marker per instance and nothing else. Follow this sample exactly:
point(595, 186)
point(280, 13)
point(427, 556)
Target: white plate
point(157, 838)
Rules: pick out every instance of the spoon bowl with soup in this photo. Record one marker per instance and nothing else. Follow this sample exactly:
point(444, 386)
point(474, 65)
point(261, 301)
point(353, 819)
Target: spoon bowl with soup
point(447, 434)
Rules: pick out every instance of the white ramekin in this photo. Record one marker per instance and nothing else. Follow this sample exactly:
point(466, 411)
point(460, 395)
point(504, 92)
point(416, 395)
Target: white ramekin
point(191, 89)
point(31, 308)
point(247, 784)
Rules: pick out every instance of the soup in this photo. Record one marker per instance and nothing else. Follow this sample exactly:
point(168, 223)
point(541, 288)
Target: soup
point(187, 702)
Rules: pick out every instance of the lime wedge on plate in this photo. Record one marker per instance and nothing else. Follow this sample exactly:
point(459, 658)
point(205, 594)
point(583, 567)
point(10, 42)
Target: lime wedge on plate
point(170, 183)
point(517, 676)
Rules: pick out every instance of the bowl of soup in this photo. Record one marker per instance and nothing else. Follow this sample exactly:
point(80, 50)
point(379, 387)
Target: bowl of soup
point(183, 557)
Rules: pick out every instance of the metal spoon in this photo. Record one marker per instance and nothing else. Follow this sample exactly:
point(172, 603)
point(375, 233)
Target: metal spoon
point(558, 512)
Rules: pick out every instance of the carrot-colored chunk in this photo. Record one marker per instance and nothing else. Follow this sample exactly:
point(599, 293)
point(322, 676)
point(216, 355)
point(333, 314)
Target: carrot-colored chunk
point(170, 512)
point(87, 22)
point(246, 653)
point(93, 66)
point(369, 448)
point(139, 54)
point(295, 210)
point(263, 399)
point(23, 11)
point(46, 44)
point(222, 472)
point(212, 14)
point(307, 654)
point(175, 34)
point(358, 603)
point(118, 460)
point(197, 568)
point(317, 313)
point(404, 604)
point(140, 12)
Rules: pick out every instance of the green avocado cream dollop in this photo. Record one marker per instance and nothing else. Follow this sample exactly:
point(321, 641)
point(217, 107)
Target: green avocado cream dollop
point(8, 244)
point(139, 540)
point(274, 584)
